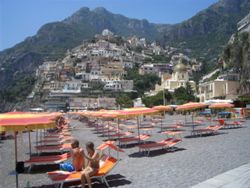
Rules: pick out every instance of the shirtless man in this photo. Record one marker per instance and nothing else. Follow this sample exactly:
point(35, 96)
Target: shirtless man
point(77, 154)
point(92, 166)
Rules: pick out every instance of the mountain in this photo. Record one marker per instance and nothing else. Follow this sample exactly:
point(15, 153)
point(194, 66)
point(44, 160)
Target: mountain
point(202, 35)
point(206, 33)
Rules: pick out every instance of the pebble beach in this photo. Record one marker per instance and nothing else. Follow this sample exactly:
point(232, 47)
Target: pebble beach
point(196, 159)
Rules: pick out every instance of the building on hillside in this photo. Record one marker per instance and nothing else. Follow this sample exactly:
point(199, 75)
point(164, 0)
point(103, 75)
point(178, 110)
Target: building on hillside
point(72, 86)
point(56, 103)
point(127, 64)
point(112, 71)
point(107, 32)
point(119, 85)
point(148, 69)
point(56, 85)
point(48, 71)
point(78, 103)
point(179, 78)
point(224, 87)
point(158, 69)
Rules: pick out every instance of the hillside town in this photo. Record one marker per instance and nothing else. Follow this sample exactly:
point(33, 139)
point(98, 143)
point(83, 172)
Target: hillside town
point(91, 75)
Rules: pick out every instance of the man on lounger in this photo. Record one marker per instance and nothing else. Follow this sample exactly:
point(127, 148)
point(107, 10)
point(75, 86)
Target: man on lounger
point(77, 154)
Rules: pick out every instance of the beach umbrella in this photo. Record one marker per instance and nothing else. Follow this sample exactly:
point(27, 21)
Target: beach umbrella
point(110, 145)
point(111, 115)
point(136, 112)
point(24, 121)
point(191, 106)
point(163, 108)
point(221, 105)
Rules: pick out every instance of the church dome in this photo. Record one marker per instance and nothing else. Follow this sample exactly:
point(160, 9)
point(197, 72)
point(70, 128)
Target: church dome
point(180, 67)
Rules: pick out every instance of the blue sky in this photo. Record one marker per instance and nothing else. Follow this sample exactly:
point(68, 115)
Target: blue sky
point(22, 18)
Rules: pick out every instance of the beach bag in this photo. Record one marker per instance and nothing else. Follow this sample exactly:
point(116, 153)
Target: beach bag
point(67, 167)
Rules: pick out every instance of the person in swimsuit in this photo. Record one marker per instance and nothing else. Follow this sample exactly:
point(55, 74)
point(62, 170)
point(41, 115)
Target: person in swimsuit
point(92, 166)
point(77, 154)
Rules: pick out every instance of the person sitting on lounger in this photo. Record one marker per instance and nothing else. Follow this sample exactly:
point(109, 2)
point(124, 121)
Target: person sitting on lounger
point(77, 154)
point(92, 166)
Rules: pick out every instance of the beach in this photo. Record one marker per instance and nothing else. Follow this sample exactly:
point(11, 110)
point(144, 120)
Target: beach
point(196, 159)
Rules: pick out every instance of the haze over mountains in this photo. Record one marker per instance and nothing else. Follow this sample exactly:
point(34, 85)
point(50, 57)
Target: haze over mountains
point(203, 35)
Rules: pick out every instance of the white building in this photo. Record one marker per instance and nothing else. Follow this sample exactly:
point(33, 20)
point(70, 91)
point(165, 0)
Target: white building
point(107, 32)
point(72, 87)
point(179, 78)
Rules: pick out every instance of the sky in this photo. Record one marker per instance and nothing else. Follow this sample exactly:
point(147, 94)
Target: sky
point(23, 18)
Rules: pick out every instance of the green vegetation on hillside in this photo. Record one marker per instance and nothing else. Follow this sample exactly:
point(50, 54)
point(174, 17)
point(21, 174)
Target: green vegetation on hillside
point(236, 56)
point(124, 100)
point(180, 96)
point(142, 83)
point(18, 90)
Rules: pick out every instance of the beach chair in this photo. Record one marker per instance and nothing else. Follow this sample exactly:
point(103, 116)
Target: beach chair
point(54, 148)
point(208, 130)
point(129, 140)
point(55, 141)
point(122, 134)
point(164, 144)
point(232, 124)
point(59, 136)
point(46, 160)
point(62, 177)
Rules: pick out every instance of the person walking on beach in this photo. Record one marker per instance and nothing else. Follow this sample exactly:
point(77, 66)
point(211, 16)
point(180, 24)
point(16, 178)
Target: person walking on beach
point(92, 166)
point(77, 154)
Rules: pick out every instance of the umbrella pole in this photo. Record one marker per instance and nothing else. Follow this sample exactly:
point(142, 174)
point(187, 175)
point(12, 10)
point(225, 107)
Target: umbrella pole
point(108, 131)
point(193, 120)
point(29, 144)
point(118, 130)
point(162, 122)
point(15, 136)
point(36, 139)
point(138, 130)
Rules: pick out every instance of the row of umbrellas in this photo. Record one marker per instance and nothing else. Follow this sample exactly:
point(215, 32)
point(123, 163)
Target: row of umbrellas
point(26, 121)
point(137, 111)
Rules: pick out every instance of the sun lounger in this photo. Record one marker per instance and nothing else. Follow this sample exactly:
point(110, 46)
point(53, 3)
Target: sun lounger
point(165, 144)
point(54, 148)
point(59, 136)
point(231, 124)
point(45, 160)
point(55, 141)
point(207, 130)
point(109, 144)
point(62, 177)
point(117, 135)
point(127, 140)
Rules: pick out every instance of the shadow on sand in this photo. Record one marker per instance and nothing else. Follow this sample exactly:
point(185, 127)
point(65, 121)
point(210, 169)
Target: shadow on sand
point(206, 135)
point(155, 153)
point(114, 180)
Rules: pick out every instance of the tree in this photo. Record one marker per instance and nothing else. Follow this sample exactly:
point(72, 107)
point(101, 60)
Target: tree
point(153, 100)
point(142, 83)
point(183, 95)
point(124, 101)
